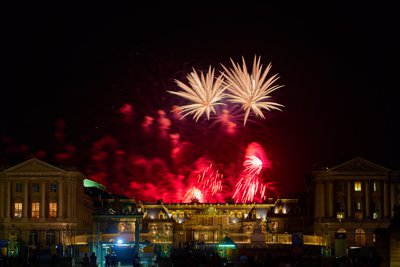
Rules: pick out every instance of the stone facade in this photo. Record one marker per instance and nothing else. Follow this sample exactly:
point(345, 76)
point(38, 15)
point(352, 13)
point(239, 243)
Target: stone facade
point(43, 206)
point(354, 198)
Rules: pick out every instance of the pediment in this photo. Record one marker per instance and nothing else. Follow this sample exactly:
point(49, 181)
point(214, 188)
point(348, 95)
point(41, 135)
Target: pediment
point(359, 165)
point(33, 166)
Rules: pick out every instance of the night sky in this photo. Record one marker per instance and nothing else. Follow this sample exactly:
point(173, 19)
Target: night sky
point(79, 65)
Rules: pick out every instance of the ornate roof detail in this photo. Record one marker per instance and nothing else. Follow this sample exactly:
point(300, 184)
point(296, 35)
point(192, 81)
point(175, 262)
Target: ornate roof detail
point(33, 165)
point(121, 208)
point(359, 165)
point(211, 211)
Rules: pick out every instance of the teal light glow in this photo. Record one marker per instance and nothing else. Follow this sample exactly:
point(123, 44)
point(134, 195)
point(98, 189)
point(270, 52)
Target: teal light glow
point(91, 183)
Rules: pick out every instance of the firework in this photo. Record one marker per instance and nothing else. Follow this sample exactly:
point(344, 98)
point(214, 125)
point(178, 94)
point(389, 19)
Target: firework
point(204, 92)
point(250, 185)
point(192, 194)
point(208, 182)
point(251, 91)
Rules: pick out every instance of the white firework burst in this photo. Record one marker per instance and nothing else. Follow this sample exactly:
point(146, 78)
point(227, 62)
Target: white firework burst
point(204, 92)
point(251, 91)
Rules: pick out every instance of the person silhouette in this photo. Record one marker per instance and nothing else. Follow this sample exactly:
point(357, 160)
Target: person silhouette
point(114, 260)
point(93, 259)
point(108, 259)
point(136, 260)
point(85, 260)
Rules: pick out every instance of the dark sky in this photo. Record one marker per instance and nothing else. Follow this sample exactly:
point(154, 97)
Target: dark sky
point(83, 63)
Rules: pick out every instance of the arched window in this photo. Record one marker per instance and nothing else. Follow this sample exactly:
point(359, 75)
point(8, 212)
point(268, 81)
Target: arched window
point(359, 238)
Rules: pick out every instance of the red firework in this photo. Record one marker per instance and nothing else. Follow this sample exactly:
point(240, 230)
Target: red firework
point(207, 184)
point(250, 185)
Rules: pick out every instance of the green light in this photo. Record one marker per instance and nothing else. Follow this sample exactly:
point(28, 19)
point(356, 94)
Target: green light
point(226, 246)
point(91, 183)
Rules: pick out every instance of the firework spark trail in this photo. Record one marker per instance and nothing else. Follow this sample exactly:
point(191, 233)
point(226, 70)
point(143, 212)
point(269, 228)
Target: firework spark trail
point(208, 183)
point(193, 193)
point(250, 185)
point(253, 165)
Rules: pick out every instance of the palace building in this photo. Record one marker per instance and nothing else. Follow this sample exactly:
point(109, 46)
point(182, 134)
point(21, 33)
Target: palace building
point(353, 200)
point(43, 207)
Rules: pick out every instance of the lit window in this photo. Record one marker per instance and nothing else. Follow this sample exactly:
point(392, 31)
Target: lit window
point(18, 187)
point(340, 215)
point(53, 209)
point(53, 187)
point(35, 209)
point(35, 187)
point(357, 186)
point(358, 205)
point(374, 187)
point(17, 210)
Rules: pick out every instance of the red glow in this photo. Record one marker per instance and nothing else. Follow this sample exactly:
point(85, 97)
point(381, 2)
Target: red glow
point(250, 186)
point(207, 184)
point(127, 111)
point(171, 161)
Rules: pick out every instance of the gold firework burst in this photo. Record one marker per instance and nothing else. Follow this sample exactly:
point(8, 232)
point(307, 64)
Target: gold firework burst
point(204, 91)
point(251, 91)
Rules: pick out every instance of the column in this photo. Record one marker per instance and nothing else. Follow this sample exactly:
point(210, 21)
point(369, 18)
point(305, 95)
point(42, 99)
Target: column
point(330, 199)
point(99, 250)
point(60, 200)
point(385, 200)
point(8, 200)
point(349, 200)
point(322, 199)
point(137, 232)
point(316, 195)
point(43, 202)
point(25, 207)
point(74, 202)
point(367, 201)
point(69, 198)
point(392, 198)
point(1, 200)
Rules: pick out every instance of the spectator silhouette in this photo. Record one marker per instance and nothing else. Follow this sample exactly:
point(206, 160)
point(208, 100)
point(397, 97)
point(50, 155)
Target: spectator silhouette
point(93, 259)
point(114, 260)
point(85, 260)
point(136, 260)
point(108, 259)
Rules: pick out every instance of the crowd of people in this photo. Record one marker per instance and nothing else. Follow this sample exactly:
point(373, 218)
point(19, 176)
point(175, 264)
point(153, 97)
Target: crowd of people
point(89, 261)
point(111, 259)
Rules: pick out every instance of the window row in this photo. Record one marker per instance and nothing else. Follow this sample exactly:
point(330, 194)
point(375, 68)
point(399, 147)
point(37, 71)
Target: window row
point(357, 187)
point(35, 210)
point(35, 187)
point(34, 238)
point(358, 207)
